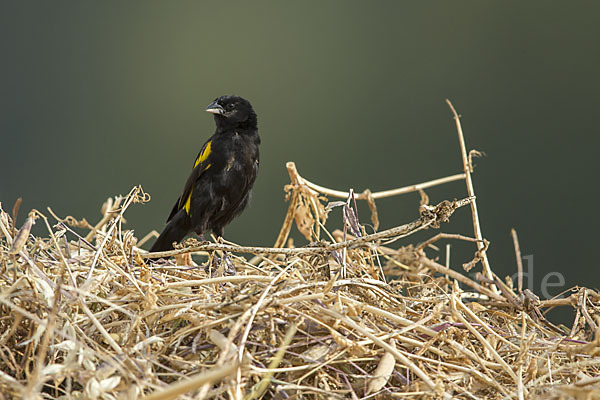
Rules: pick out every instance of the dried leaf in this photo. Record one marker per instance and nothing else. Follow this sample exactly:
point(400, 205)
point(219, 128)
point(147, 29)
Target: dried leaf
point(110, 383)
point(382, 373)
point(333, 204)
point(373, 209)
point(93, 389)
point(15, 210)
point(351, 221)
point(35, 338)
point(22, 236)
point(46, 291)
point(53, 369)
point(318, 352)
point(304, 220)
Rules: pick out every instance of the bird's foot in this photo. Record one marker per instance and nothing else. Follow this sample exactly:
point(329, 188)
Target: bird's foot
point(220, 265)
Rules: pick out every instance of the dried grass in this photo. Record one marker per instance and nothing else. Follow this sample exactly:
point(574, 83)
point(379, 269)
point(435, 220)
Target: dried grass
point(346, 317)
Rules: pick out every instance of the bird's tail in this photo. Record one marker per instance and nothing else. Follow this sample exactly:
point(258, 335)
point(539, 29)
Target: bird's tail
point(174, 231)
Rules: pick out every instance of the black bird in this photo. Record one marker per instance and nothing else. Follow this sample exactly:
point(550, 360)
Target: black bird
point(219, 187)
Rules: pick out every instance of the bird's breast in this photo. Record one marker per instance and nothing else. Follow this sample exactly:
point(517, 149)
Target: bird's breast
point(235, 161)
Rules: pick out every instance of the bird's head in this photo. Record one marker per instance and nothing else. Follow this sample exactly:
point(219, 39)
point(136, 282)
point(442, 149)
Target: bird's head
point(232, 112)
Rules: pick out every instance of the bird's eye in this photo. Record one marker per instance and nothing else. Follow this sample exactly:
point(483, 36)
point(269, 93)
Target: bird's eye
point(230, 106)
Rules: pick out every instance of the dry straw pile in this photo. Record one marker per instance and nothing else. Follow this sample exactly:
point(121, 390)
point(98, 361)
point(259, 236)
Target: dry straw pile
point(348, 316)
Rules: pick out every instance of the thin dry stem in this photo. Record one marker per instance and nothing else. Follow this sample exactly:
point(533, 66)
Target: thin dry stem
point(385, 193)
point(471, 192)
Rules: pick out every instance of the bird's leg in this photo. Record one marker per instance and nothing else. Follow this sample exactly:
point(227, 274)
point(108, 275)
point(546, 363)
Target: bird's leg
point(220, 261)
point(229, 266)
point(216, 264)
point(218, 257)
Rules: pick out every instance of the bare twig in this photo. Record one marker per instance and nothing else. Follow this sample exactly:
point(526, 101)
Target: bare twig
point(436, 216)
point(519, 261)
point(386, 193)
point(461, 278)
point(445, 236)
point(471, 192)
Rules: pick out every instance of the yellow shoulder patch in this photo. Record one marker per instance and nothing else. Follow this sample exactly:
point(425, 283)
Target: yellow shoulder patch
point(186, 206)
point(201, 158)
point(204, 155)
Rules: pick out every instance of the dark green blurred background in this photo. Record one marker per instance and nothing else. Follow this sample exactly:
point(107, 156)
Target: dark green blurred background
point(97, 97)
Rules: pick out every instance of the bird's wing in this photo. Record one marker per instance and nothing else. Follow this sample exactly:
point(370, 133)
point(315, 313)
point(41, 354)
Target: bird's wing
point(201, 164)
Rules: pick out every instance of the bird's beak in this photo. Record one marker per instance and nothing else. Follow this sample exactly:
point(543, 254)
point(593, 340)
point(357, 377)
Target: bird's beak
point(215, 108)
